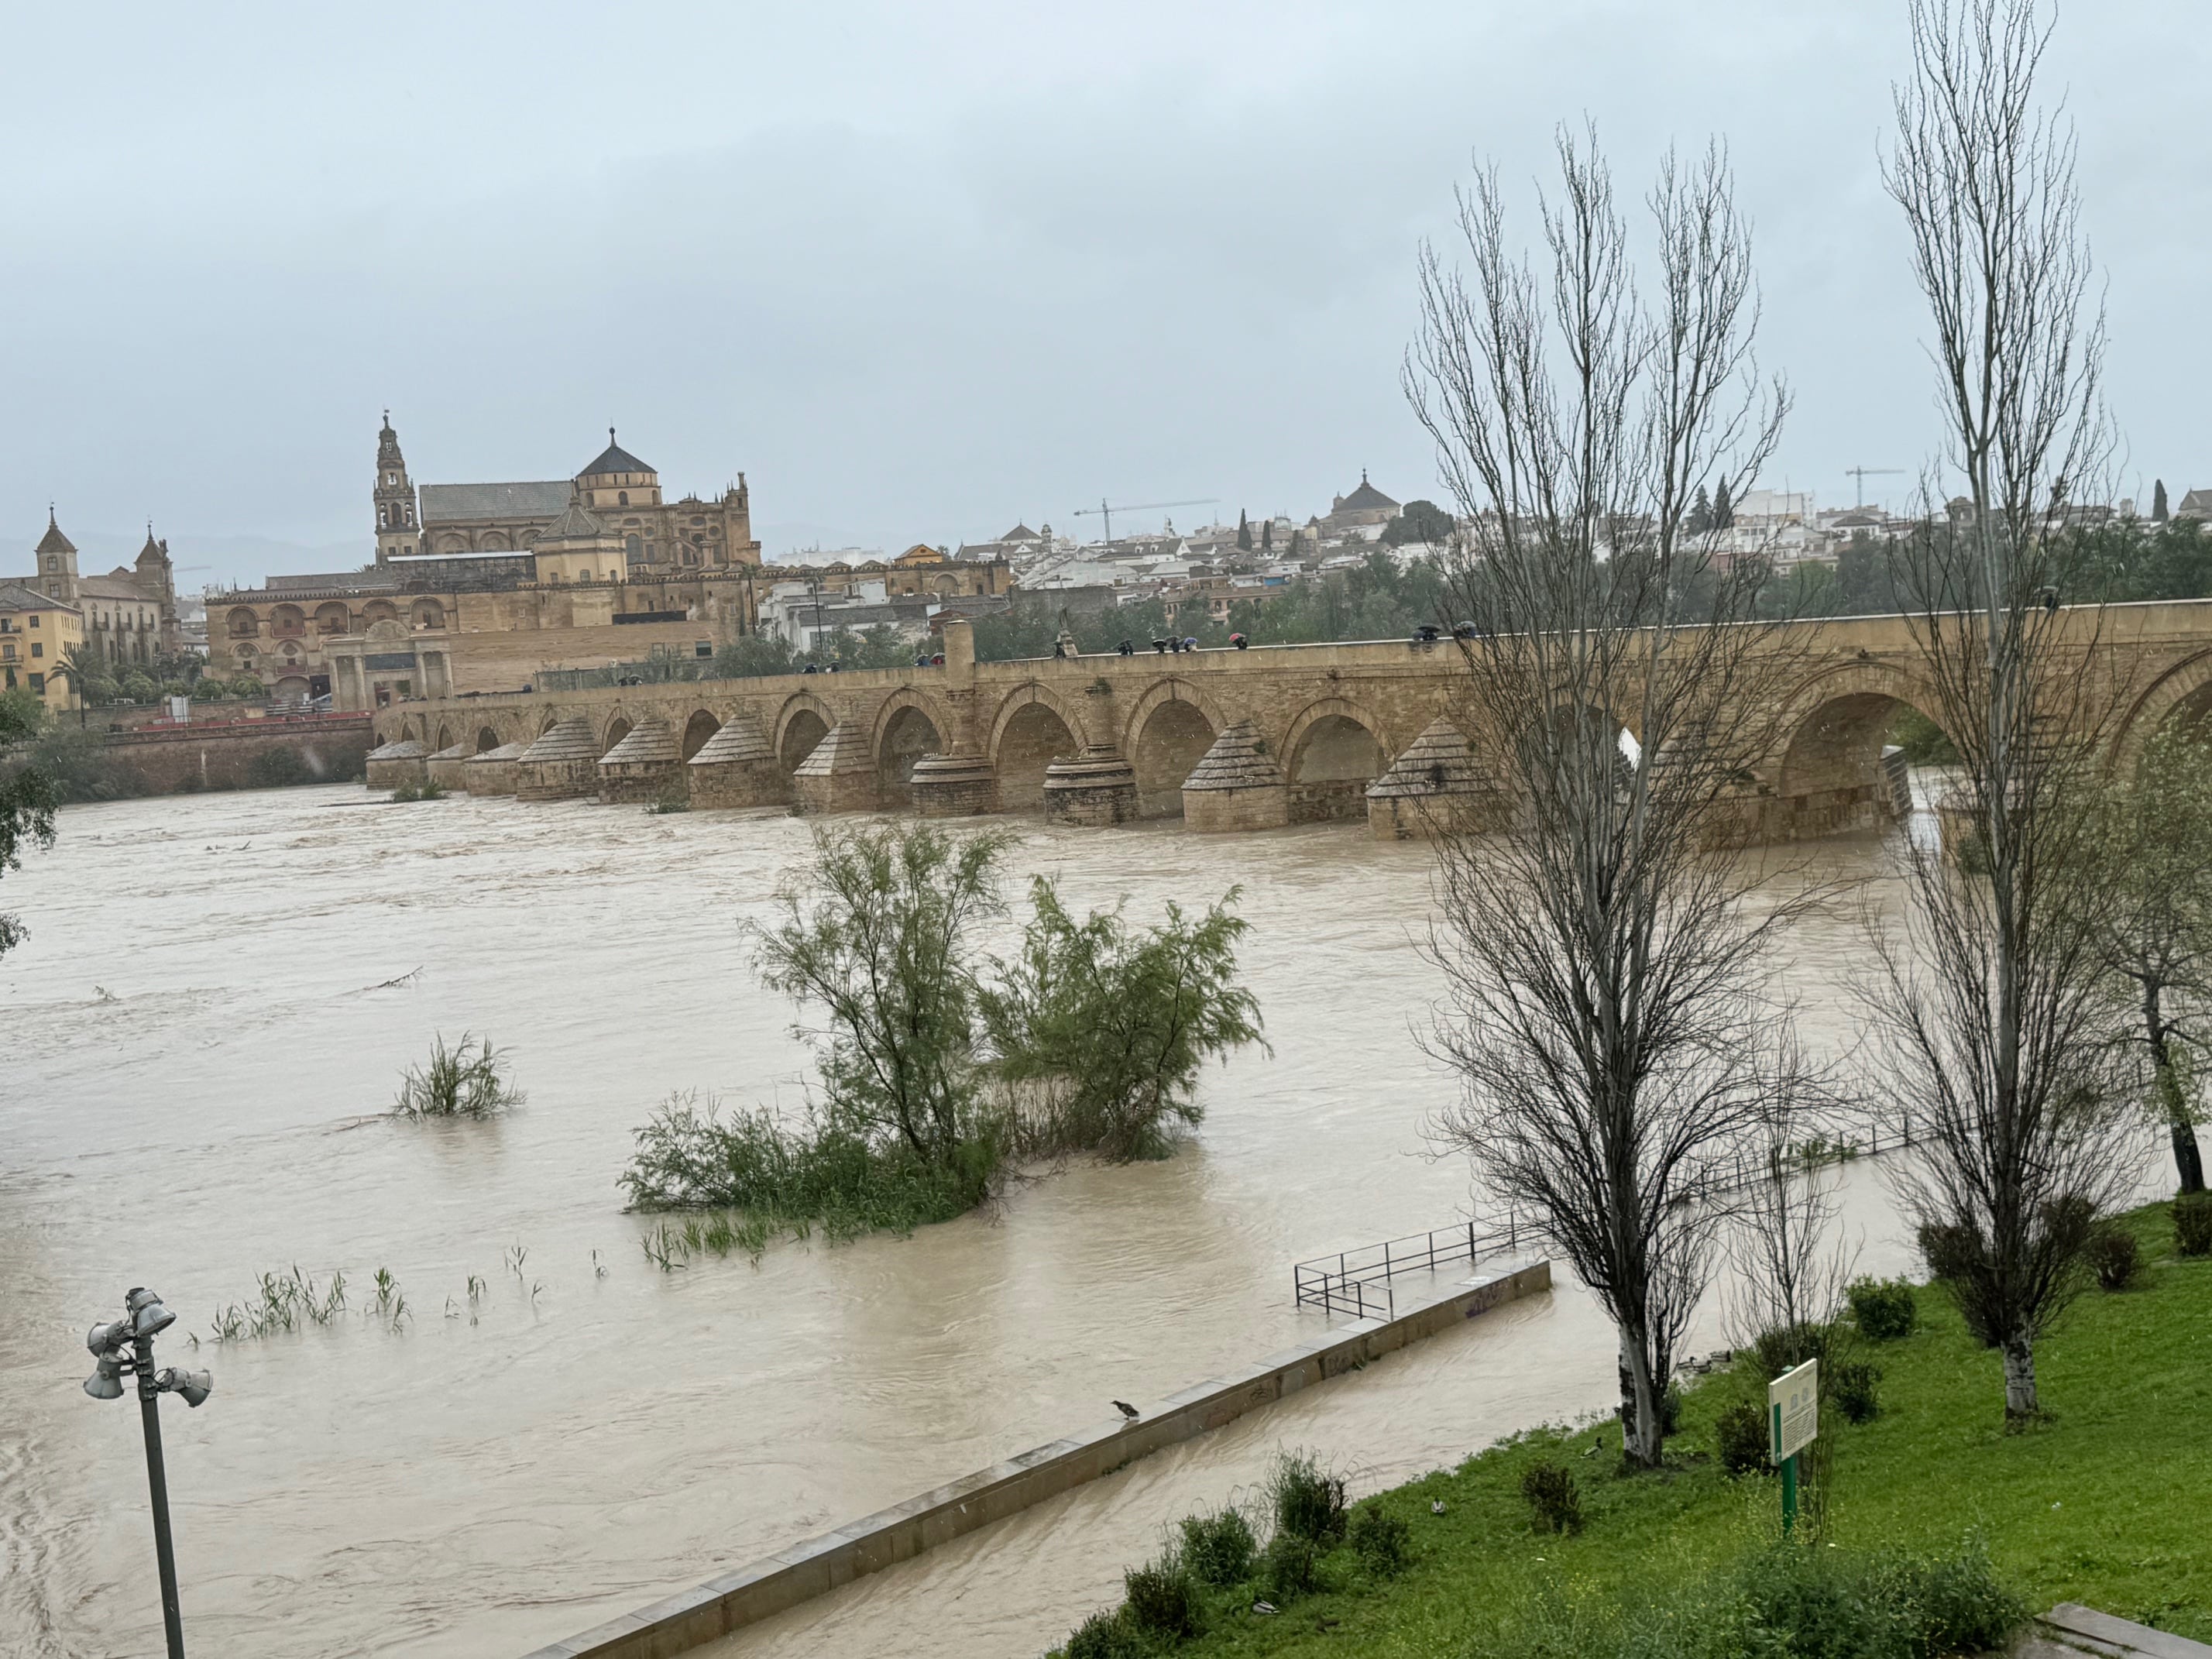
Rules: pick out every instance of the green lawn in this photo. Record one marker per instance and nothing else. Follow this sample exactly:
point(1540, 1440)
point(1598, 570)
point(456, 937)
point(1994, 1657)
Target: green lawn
point(2109, 1504)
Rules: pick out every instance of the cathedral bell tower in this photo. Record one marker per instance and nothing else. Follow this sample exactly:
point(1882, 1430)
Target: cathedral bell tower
point(398, 531)
point(57, 556)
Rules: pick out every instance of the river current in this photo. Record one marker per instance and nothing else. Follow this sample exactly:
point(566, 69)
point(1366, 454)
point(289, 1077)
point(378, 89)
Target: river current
point(201, 1038)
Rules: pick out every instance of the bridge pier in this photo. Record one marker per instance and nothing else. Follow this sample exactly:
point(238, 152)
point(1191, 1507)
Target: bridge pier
point(1236, 786)
point(1435, 785)
point(840, 775)
point(492, 772)
point(1097, 789)
point(562, 765)
point(735, 768)
point(642, 767)
point(389, 765)
point(953, 787)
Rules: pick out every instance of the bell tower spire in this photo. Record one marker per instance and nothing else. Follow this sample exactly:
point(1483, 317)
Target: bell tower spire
point(398, 531)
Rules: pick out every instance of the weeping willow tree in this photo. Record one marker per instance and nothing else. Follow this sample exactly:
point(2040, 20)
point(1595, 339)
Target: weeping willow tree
point(1606, 958)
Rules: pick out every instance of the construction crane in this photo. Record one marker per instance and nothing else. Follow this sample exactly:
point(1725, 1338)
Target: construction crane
point(1106, 513)
point(1862, 473)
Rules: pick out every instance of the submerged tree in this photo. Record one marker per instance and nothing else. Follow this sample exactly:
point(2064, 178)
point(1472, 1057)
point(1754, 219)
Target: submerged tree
point(877, 932)
point(1992, 990)
point(27, 797)
point(1111, 1025)
point(2156, 834)
point(1606, 1007)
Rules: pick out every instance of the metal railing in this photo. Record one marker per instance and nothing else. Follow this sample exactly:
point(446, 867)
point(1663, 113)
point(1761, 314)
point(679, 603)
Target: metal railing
point(1358, 1281)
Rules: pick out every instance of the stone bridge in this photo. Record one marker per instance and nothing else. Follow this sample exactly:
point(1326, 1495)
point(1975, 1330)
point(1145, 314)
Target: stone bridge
point(1227, 739)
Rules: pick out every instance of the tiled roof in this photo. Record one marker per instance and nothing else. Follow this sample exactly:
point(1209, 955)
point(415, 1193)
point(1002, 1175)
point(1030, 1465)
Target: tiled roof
point(570, 740)
point(614, 458)
point(53, 541)
point(14, 596)
point(1238, 760)
point(1364, 498)
point(739, 742)
point(533, 499)
point(647, 742)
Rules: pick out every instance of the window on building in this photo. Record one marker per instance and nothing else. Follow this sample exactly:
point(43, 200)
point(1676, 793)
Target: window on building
point(37, 649)
point(34, 619)
point(7, 653)
point(621, 498)
point(702, 648)
point(38, 681)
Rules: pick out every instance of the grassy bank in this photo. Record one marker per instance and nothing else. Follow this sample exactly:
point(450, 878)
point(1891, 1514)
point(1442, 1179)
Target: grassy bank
point(2109, 1503)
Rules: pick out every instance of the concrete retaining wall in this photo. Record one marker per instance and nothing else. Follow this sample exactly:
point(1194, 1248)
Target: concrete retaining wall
point(820, 1565)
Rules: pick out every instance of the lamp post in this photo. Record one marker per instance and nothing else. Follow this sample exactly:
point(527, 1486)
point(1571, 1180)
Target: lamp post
point(124, 1348)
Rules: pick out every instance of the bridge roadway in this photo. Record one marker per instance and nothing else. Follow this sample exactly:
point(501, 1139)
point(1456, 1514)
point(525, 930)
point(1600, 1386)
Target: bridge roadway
point(1103, 738)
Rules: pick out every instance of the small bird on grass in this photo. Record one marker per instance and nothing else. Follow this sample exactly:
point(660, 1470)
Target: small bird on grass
point(1436, 1506)
point(1263, 1607)
point(1128, 1410)
point(1596, 1446)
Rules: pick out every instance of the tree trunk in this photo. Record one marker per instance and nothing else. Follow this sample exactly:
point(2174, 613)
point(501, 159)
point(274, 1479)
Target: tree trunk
point(2188, 1158)
point(2021, 1406)
point(1643, 1438)
point(2188, 1161)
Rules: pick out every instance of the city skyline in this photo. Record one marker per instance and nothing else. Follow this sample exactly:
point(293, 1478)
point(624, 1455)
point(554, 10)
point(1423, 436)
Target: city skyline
point(1193, 277)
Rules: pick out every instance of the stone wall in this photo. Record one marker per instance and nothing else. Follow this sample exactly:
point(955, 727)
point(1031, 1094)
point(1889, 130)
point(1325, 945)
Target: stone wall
point(252, 753)
point(819, 1565)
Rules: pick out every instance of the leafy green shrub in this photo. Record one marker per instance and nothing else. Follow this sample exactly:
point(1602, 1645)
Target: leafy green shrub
point(1105, 1635)
point(1949, 1604)
point(1306, 1503)
point(1742, 1438)
point(1553, 1499)
point(2114, 1257)
point(1671, 1411)
point(675, 798)
point(1382, 1539)
point(1290, 1569)
point(2192, 1223)
point(431, 790)
point(1109, 1025)
point(1218, 1548)
point(1951, 1252)
point(1884, 1309)
point(466, 1080)
point(1855, 1384)
point(1785, 1348)
point(408, 790)
point(821, 1171)
point(1163, 1600)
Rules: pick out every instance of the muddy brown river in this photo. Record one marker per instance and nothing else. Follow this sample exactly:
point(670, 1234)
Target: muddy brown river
point(200, 1037)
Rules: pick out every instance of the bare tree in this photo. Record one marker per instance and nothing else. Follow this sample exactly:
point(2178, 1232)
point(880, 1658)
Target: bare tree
point(1605, 1007)
point(1991, 988)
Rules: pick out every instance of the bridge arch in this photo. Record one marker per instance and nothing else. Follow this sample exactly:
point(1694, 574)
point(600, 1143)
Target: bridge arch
point(617, 727)
point(803, 721)
point(1332, 751)
point(1826, 774)
point(910, 724)
point(697, 730)
point(486, 739)
point(1170, 728)
point(445, 739)
point(1035, 727)
point(2182, 696)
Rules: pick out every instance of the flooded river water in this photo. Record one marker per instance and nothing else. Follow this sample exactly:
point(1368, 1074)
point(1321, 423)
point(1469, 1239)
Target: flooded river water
point(205, 1014)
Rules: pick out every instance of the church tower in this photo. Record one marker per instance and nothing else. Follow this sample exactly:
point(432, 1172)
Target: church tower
point(57, 564)
point(399, 532)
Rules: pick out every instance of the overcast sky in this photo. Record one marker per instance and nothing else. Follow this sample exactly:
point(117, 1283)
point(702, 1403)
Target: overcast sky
point(919, 271)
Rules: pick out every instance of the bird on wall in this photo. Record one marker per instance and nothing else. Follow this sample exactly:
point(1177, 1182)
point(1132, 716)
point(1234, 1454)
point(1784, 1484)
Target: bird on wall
point(1128, 1410)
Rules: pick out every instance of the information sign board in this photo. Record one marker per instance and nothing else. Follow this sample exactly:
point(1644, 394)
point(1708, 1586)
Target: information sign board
point(1793, 1400)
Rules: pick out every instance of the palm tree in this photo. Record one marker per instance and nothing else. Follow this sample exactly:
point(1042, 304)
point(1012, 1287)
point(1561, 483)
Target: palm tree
point(81, 665)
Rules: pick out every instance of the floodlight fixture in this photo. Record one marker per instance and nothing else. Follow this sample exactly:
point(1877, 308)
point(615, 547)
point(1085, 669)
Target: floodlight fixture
point(194, 1386)
point(125, 1348)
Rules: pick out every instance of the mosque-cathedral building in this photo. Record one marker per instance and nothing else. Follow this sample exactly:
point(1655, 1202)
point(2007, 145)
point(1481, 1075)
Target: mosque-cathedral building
point(482, 586)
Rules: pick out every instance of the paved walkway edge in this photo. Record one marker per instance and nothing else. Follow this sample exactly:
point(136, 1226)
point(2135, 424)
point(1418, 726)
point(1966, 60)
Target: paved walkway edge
point(681, 1622)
